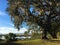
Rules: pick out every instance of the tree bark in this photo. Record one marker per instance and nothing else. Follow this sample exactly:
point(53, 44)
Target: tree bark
point(47, 28)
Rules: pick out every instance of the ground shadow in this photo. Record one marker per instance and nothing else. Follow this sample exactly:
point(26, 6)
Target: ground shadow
point(52, 40)
point(58, 41)
point(10, 44)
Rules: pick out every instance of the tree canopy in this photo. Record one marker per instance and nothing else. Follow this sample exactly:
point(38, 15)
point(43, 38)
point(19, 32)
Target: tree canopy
point(44, 13)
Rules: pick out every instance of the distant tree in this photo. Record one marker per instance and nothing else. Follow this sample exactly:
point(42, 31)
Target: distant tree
point(6, 37)
point(34, 28)
point(26, 34)
point(35, 31)
point(10, 37)
point(40, 12)
point(0, 37)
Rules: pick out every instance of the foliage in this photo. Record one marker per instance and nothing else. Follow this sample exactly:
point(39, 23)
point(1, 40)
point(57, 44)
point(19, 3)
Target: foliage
point(10, 37)
point(43, 13)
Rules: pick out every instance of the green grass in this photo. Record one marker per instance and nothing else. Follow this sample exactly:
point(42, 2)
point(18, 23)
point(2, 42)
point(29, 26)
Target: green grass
point(33, 42)
point(39, 42)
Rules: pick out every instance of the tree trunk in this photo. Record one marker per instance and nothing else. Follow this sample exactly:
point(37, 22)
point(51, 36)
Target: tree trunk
point(47, 28)
point(45, 32)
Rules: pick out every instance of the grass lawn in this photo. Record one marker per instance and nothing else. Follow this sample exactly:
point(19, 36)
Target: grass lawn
point(33, 42)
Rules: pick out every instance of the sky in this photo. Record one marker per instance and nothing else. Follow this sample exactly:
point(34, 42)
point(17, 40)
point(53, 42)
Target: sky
point(6, 26)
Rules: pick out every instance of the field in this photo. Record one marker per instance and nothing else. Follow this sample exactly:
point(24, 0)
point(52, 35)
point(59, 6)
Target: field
point(32, 42)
